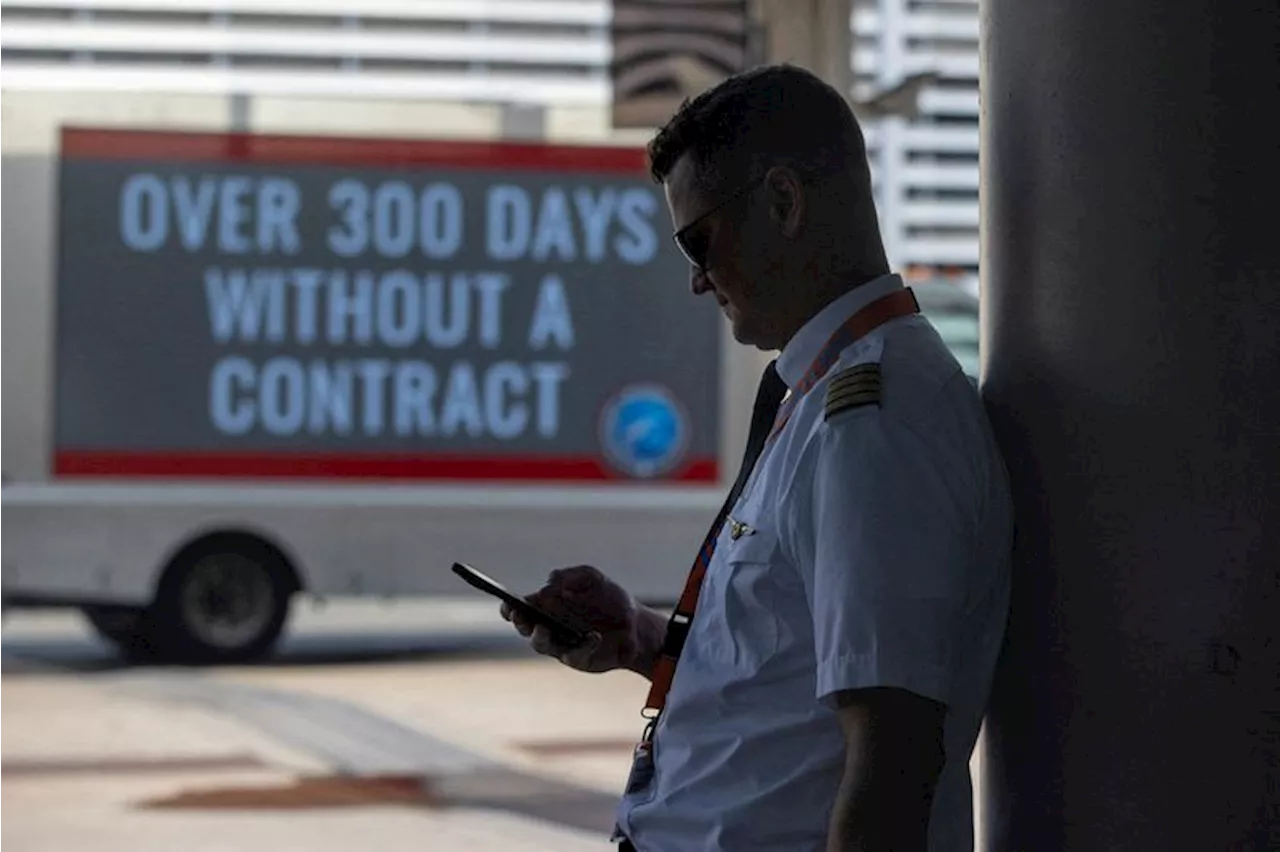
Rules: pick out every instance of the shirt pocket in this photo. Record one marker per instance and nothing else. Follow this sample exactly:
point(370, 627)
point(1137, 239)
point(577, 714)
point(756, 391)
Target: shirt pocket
point(753, 546)
point(742, 628)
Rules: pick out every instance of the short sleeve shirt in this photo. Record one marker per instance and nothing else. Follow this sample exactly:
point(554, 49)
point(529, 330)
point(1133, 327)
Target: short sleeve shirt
point(872, 550)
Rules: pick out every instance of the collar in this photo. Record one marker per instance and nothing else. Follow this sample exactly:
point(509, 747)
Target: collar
point(804, 347)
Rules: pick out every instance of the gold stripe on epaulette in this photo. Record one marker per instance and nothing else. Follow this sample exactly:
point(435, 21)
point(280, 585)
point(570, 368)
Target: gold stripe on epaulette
point(857, 386)
point(836, 399)
point(858, 371)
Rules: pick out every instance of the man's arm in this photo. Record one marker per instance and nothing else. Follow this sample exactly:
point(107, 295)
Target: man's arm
point(894, 754)
point(882, 544)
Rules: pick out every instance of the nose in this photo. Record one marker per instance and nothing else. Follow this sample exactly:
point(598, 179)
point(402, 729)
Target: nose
point(698, 282)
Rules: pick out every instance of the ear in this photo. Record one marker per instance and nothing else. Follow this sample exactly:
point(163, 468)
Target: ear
point(786, 199)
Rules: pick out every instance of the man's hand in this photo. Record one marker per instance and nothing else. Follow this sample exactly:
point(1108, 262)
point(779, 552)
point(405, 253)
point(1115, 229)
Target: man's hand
point(894, 754)
point(623, 634)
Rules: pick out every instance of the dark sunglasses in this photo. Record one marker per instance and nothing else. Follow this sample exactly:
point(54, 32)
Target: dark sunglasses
point(695, 242)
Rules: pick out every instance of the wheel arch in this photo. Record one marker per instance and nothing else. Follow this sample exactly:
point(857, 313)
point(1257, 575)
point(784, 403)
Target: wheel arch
point(233, 536)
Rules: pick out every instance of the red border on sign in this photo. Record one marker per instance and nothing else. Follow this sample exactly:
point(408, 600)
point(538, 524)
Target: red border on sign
point(222, 465)
point(175, 146)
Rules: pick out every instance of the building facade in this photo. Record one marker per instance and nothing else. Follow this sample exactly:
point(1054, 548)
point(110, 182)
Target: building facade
point(501, 68)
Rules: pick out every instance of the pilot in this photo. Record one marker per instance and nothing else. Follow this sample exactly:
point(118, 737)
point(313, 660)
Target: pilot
point(822, 680)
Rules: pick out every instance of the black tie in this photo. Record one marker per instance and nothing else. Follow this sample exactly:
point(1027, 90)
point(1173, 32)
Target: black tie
point(768, 399)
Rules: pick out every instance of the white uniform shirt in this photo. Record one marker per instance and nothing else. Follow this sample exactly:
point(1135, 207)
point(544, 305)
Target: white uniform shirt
point(879, 558)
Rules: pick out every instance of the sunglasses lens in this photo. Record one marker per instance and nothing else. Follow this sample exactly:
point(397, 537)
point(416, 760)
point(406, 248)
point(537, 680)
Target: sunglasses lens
point(693, 246)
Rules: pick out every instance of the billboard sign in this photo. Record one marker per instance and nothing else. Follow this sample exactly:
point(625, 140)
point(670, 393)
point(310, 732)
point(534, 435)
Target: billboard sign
point(262, 306)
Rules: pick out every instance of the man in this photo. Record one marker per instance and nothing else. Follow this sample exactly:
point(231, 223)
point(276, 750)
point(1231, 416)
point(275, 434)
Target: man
point(851, 601)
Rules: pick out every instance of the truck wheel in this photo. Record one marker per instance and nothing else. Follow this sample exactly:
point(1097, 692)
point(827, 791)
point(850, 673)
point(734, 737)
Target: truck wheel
point(221, 601)
point(124, 627)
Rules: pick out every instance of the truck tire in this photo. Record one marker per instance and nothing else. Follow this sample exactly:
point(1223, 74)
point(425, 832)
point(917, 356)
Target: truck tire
point(223, 600)
point(123, 627)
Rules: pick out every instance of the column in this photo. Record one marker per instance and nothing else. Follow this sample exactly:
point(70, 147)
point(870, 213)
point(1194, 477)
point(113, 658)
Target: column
point(1131, 298)
point(814, 34)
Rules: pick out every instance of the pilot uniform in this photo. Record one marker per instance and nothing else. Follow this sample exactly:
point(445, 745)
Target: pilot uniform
point(869, 547)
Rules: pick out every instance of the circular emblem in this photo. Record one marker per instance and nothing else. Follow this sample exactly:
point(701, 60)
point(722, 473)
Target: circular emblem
point(644, 430)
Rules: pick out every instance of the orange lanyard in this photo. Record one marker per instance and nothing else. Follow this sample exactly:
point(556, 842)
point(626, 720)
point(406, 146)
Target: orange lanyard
point(900, 303)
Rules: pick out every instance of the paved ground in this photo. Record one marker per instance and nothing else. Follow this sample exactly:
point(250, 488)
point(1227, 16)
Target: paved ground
point(405, 727)
point(416, 728)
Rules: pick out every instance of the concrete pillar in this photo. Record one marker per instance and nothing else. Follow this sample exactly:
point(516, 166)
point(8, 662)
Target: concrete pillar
point(523, 122)
point(240, 112)
point(1131, 298)
point(814, 34)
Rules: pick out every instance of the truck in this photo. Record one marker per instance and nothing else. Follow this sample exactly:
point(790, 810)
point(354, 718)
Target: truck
point(244, 367)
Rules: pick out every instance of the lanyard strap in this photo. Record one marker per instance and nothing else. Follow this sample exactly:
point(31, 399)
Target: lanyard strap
point(897, 304)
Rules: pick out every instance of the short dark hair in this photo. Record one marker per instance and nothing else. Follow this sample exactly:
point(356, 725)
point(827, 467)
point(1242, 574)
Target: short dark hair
point(767, 116)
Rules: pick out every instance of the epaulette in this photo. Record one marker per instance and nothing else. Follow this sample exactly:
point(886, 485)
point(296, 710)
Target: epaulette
point(852, 388)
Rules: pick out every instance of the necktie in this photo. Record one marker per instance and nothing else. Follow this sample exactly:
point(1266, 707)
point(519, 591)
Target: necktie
point(768, 400)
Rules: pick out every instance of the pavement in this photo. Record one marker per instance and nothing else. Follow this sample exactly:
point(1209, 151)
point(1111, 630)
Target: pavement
point(423, 726)
point(385, 728)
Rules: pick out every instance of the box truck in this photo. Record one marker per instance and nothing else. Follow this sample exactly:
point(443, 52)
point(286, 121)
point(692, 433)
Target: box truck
point(243, 367)
point(240, 368)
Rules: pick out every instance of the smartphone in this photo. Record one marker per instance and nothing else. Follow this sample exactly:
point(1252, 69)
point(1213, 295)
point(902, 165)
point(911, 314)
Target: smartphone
point(561, 633)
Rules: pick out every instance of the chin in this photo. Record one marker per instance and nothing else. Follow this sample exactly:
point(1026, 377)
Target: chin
point(748, 336)
point(747, 332)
